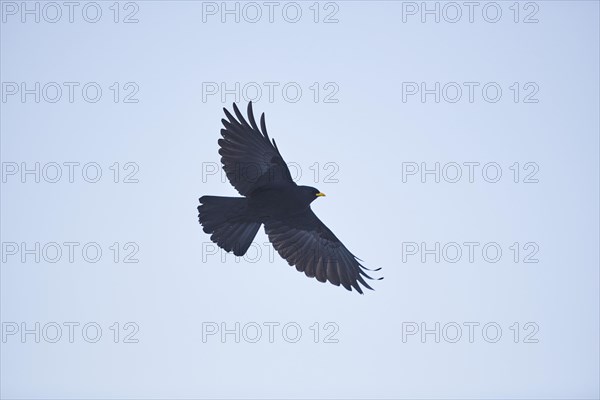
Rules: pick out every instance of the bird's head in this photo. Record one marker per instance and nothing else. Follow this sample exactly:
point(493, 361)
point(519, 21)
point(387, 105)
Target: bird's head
point(311, 193)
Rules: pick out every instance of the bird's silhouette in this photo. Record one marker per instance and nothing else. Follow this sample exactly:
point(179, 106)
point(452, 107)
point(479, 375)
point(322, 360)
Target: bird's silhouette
point(256, 169)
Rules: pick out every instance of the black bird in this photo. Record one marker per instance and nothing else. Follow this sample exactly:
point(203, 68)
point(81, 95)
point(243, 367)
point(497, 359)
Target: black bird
point(255, 168)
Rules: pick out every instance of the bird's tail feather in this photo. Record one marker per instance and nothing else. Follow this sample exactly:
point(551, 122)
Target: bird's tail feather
point(226, 218)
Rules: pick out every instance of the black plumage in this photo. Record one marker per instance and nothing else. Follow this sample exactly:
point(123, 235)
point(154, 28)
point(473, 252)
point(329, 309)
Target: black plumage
point(256, 169)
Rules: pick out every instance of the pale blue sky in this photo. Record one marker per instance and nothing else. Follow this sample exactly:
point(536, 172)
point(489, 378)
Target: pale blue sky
point(179, 287)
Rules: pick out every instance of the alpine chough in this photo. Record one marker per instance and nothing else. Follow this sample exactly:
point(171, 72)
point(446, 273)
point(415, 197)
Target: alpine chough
point(256, 169)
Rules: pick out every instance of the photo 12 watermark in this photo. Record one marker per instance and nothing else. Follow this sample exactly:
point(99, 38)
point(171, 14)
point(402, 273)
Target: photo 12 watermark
point(470, 92)
point(314, 172)
point(29, 172)
point(470, 252)
point(270, 12)
point(27, 332)
point(89, 92)
point(69, 12)
point(270, 332)
point(469, 332)
point(470, 12)
point(469, 172)
point(272, 91)
point(69, 252)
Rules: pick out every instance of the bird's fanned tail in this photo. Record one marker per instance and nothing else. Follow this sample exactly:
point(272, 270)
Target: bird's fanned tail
point(226, 219)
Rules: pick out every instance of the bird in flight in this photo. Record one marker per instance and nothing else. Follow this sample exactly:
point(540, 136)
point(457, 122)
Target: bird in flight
point(256, 169)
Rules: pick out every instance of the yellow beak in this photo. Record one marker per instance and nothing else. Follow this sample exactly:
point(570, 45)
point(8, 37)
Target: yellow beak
point(320, 194)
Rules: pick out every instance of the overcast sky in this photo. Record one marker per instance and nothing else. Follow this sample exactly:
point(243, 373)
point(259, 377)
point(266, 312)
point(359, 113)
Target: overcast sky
point(461, 156)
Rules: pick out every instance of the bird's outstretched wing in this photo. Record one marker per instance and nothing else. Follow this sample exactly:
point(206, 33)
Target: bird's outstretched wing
point(250, 159)
point(304, 241)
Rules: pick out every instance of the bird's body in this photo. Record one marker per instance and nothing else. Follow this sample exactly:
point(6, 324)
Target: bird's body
point(256, 169)
point(280, 201)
